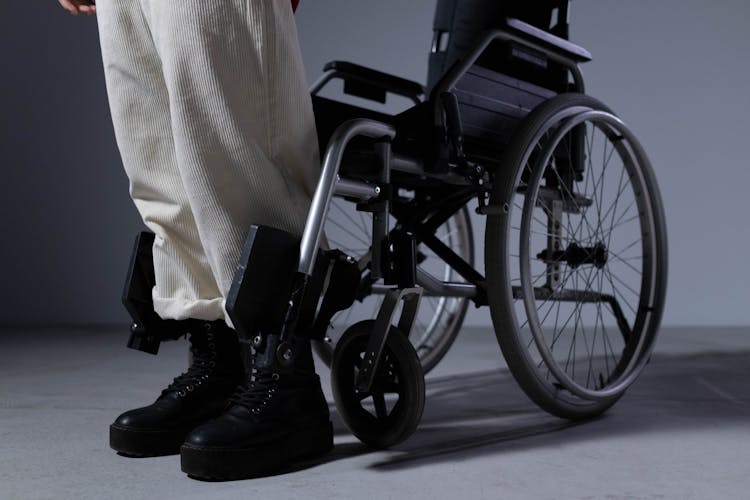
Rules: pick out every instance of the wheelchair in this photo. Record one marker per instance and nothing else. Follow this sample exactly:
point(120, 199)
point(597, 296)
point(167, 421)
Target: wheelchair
point(575, 250)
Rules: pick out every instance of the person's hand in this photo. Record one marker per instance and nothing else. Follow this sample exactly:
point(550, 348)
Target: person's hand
point(76, 7)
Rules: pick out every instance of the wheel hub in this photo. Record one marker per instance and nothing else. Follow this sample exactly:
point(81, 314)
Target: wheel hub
point(576, 255)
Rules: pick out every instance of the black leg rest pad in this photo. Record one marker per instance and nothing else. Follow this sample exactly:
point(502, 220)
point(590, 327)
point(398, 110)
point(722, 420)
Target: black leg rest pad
point(259, 295)
point(148, 329)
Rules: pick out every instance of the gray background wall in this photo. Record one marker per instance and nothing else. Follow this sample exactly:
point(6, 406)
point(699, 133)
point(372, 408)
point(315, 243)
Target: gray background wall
point(675, 70)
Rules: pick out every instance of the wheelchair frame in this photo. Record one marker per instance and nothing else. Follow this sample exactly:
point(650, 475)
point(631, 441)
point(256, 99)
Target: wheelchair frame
point(330, 183)
point(299, 270)
point(467, 180)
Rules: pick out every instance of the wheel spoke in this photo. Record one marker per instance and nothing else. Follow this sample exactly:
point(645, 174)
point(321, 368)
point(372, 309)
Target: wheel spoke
point(628, 287)
point(378, 400)
point(610, 230)
point(361, 396)
point(631, 266)
point(362, 228)
point(616, 293)
point(354, 236)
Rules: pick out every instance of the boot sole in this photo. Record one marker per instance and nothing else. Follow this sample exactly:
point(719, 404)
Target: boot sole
point(218, 464)
point(139, 443)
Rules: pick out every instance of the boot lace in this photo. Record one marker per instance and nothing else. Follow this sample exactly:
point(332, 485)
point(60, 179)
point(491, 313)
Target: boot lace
point(258, 391)
point(204, 361)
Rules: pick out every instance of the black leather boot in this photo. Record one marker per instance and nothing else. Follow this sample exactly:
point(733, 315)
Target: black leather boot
point(278, 418)
point(192, 398)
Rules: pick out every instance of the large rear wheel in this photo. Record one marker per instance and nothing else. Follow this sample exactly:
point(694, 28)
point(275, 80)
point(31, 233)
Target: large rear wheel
point(576, 257)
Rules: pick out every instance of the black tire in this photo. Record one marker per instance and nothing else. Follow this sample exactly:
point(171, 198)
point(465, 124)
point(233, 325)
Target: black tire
point(534, 175)
point(399, 372)
point(439, 318)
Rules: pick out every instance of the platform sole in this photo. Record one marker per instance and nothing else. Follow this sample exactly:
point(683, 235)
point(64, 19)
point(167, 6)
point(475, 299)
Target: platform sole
point(139, 443)
point(219, 464)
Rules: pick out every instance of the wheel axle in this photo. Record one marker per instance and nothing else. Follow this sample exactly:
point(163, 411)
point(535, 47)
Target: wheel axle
point(576, 255)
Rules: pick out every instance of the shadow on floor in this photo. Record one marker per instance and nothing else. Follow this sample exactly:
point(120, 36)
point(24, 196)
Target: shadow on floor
point(466, 416)
point(485, 413)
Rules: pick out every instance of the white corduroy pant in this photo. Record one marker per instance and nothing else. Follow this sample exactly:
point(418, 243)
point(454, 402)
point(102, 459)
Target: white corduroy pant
point(214, 124)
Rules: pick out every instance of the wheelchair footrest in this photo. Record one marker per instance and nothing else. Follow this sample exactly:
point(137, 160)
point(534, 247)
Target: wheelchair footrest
point(269, 296)
point(148, 330)
point(258, 299)
point(344, 278)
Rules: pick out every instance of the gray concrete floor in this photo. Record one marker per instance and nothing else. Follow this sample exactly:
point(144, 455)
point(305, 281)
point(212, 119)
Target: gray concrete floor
point(683, 431)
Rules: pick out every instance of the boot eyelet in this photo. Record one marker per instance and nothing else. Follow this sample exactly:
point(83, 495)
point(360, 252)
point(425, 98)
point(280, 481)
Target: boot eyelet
point(182, 394)
point(211, 345)
point(190, 387)
point(275, 376)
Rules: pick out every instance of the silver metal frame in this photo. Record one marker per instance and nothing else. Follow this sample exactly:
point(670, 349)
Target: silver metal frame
point(330, 181)
point(330, 184)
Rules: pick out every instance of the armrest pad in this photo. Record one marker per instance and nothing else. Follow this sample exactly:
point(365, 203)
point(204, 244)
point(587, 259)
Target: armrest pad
point(370, 76)
point(575, 52)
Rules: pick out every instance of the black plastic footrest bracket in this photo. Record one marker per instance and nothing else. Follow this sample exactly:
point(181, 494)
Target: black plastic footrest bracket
point(258, 299)
point(148, 330)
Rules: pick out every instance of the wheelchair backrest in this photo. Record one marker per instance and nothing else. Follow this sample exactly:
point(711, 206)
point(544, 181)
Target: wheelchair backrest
point(458, 25)
point(506, 81)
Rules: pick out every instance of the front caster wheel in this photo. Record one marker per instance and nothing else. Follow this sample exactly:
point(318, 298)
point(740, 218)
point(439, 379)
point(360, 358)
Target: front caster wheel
point(390, 411)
